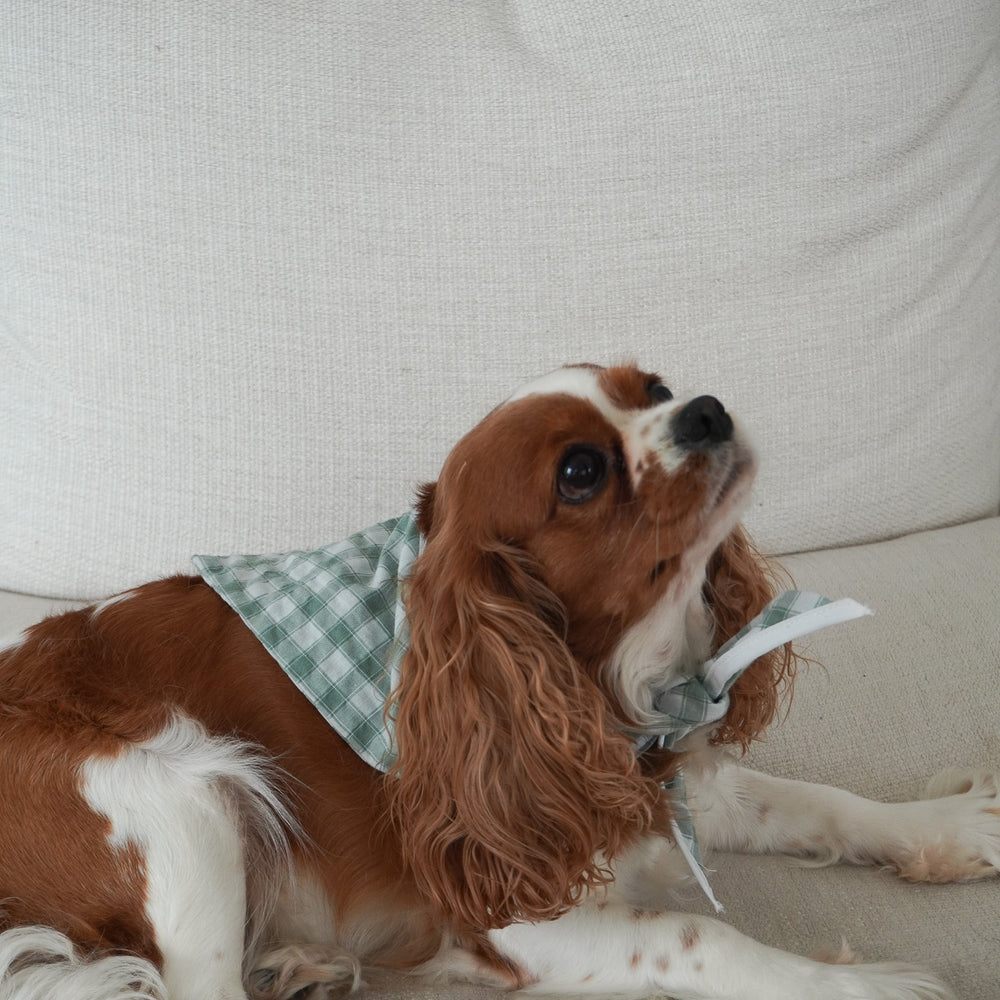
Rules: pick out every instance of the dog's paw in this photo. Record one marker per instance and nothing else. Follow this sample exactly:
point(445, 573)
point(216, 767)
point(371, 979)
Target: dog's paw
point(303, 972)
point(961, 839)
point(887, 981)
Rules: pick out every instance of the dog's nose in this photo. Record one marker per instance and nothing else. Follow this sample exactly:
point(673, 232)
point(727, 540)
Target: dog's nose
point(701, 423)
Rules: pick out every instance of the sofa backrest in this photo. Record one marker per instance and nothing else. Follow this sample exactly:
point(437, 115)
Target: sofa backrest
point(262, 264)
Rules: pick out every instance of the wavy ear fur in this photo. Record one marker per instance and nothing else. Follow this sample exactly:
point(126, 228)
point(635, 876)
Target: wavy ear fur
point(740, 582)
point(511, 776)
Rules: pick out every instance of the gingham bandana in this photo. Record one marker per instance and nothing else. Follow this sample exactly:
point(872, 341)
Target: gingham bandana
point(334, 620)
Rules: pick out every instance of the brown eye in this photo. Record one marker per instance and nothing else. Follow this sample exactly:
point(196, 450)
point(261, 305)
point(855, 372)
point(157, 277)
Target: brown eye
point(582, 474)
point(659, 393)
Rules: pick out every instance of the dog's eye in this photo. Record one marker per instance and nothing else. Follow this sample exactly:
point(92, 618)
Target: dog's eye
point(659, 393)
point(582, 473)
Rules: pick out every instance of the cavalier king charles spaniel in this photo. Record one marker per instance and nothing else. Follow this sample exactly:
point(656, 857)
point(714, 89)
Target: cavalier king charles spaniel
point(179, 821)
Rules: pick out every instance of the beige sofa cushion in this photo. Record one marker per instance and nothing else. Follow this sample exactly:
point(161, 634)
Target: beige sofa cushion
point(893, 700)
point(260, 266)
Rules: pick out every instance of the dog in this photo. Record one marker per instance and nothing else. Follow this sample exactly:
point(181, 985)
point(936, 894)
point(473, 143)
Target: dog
point(189, 812)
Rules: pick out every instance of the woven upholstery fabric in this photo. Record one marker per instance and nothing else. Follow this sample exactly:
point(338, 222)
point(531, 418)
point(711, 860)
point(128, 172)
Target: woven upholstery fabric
point(261, 265)
point(890, 702)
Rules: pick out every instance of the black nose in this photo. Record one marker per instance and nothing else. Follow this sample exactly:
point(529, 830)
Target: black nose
point(701, 423)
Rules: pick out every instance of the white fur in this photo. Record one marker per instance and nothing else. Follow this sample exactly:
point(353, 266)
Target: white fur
point(584, 383)
point(283, 972)
point(304, 911)
point(189, 802)
point(951, 836)
point(579, 382)
point(676, 634)
point(643, 431)
point(38, 963)
point(606, 946)
point(110, 602)
point(618, 950)
point(648, 432)
point(669, 642)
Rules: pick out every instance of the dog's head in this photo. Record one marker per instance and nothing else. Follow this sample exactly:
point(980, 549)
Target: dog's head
point(583, 550)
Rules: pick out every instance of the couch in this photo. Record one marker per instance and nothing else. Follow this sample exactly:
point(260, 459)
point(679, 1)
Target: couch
point(263, 263)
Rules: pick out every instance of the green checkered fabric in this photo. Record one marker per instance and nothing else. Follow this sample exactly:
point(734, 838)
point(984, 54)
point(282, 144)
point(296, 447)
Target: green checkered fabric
point(334, 619)
point(702, 699)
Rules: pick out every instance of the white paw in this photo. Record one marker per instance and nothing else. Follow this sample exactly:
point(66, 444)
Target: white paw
point(961, 841)
point(889, 981)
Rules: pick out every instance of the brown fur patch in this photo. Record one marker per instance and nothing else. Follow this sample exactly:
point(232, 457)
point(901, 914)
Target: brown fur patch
point(690, 936)
point(845, 956)
point(939, 864)
point(627, 387)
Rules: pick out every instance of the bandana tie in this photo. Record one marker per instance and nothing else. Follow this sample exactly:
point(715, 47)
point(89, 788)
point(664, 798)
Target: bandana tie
point(333, 618)
point(703, 699)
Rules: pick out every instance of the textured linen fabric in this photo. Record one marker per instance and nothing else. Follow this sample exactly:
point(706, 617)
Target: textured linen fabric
point(916, 687)
point(261, 265)
point(891, 701)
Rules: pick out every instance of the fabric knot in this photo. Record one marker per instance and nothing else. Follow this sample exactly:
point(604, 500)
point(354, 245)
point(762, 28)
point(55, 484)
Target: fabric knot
point(703, 699)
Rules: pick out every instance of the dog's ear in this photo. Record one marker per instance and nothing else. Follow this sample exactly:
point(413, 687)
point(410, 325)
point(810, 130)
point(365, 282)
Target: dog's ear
point(740, 582)
point(511, 777)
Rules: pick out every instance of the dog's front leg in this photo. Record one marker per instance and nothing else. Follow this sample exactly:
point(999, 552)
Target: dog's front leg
point(953, 834)
point(613, 949)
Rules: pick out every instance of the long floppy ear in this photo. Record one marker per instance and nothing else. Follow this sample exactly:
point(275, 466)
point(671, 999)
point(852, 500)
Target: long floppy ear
point(740, 582)
point(511, 776)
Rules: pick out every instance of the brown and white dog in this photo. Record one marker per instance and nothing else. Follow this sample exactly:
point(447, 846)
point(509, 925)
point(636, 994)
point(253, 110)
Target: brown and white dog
point(179, 821)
